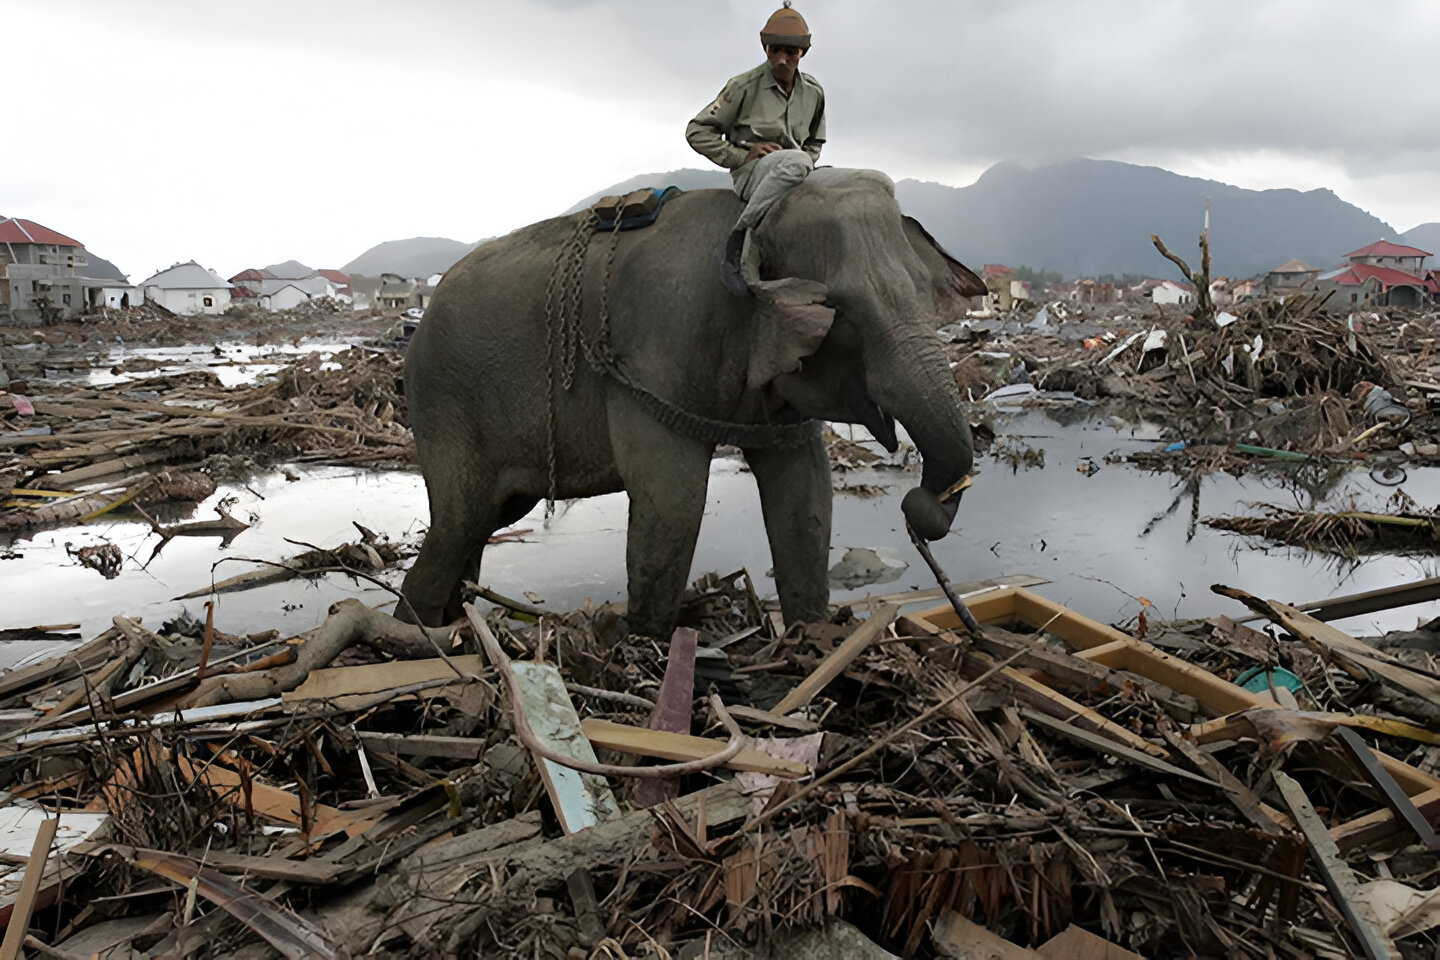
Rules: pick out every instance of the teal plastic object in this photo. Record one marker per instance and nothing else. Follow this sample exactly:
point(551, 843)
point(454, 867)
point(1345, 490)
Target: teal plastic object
point(1255, 680)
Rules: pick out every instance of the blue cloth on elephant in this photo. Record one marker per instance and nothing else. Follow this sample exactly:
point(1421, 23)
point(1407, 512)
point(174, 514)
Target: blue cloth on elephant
point(641, 219)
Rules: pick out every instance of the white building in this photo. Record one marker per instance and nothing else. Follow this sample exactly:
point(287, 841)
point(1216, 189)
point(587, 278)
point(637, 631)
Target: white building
point(278, 294)
point(188, 288)
point(1168, 291)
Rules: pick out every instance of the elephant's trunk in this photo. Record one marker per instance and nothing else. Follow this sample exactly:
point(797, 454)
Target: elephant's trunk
point(910, 379)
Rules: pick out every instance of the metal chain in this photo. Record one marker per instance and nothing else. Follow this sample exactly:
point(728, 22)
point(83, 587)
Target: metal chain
point(565, 342)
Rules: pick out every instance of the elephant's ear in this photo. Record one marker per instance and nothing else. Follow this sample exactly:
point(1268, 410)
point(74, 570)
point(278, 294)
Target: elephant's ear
point(954, 283)
point(791, 321)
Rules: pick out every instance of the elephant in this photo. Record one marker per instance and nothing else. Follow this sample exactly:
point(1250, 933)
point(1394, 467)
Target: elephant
point(666, 364)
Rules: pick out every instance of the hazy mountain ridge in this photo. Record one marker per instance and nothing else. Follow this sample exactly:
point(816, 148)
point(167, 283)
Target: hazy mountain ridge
point(416, 257)
point(1078, 217)
point(1426, 237)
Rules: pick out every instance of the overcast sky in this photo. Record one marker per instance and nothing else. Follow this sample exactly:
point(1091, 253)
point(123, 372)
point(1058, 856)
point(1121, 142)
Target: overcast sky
point(241, 134)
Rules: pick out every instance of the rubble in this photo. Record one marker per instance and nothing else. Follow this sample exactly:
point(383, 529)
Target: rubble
point(890, 782)
point(1044, 782)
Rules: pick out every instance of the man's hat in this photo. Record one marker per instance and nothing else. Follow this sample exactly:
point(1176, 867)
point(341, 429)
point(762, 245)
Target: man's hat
point(786, 28)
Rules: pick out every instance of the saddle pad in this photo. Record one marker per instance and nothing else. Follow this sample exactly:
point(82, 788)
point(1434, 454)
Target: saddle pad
point(636, 209)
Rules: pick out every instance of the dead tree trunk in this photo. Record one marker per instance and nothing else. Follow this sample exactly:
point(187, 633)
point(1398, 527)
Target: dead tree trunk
point(1204, 306)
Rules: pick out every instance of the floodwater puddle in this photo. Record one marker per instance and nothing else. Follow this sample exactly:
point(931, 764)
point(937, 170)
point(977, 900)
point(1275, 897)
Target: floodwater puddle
point(1104, 532)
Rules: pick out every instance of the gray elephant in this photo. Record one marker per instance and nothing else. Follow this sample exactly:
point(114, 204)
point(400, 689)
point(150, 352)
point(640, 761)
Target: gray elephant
point(666, 364)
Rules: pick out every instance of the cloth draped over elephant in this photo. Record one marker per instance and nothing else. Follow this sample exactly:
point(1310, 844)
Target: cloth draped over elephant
point(841, 328)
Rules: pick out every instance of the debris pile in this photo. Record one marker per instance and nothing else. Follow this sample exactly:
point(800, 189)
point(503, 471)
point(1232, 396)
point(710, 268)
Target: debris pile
point(81, 450)
point(1045, 786)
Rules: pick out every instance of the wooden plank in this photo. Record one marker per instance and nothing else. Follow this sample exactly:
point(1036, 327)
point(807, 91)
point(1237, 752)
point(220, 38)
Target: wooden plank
point(840, 658)
point(1395, 798)
point(1370, 601)
point(680, 746)
point(1031, 691)
point(1145, 660)
point(29, 890)
point(1106, 745)
point(1376, 661)
point(962, 939)
point(1061, 669)
point(271, 802)
point(1339, 879)
point(366, 678)
point(1110, 654)
point(966, 590)
point(580, 799)
point(1382, 824)
point(271, 868)
point(1073, 943)
point(424, 745)
point(1412, 779)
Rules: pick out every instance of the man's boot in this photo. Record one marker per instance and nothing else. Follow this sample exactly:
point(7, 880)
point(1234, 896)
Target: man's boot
point(730, 264)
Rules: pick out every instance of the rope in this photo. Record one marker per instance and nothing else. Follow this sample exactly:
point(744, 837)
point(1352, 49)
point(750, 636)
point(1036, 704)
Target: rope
point(565, 343)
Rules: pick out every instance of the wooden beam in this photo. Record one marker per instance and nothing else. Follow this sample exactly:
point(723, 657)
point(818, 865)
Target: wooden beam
point(840, 658)
point(1395, 798)
point(1106, 745)
point(29, 889)
point(1358, 604)
point(1382, 824)
point(1110, 654)
point(424, 745)
point(1339, 879)
point(679, 746)
point(331, 682)
point(580, 799)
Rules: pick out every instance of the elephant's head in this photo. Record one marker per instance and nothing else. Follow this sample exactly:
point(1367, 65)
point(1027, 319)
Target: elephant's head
point(855, 292)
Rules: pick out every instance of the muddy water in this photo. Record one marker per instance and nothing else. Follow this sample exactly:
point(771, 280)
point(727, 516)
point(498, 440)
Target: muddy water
point(1083, 530)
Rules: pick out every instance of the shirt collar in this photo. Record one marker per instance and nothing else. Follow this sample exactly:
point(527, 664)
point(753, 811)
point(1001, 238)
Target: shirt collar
point(770, 80)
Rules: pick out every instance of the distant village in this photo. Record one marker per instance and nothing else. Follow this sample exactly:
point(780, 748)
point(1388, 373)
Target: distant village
point(48, 277)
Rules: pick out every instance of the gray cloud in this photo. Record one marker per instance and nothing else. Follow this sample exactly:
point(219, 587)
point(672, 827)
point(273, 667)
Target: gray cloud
point(411, 97)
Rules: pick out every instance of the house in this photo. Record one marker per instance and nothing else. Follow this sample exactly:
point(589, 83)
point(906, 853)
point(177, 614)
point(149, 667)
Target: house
point(1242, 290)
point(45, 275)
point(1004, 289)
point(1288, 278)
point(1361, 284)
point(1090, 290)
point(188, 288)
point(279, 294)
point(397, 293)
point(1382, 274)
point(340, 279)
point(1383, 253)
point(284, 293)
point(1168, 291)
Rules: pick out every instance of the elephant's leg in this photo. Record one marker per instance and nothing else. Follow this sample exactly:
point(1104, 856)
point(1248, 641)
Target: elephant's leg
point(666, 477)
point(795, 498)
point(461, 521)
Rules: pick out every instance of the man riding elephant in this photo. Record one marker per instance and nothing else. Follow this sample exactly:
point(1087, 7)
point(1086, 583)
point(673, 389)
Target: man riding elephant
point(767, 127)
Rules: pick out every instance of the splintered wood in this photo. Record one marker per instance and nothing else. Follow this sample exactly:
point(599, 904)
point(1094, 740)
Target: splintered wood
point(1047, 787)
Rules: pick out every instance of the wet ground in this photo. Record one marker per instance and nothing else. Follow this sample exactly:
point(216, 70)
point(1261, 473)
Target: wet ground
point(1081, 520)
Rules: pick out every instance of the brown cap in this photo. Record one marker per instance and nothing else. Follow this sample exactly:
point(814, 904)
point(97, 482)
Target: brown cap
point(786, 28)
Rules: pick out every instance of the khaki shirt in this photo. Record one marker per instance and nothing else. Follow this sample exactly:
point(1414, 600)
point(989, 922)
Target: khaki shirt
point(751, 108)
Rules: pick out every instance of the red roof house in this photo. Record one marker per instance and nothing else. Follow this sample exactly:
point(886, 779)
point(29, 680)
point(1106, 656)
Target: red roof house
point(1384, 248)
point(14, 230)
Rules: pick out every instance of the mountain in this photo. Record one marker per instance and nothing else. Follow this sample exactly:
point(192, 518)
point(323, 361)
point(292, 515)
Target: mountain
point(1092, 217)
point(1089, 217)
point(685, 179)
point(290, 270)
point(98, 268)
point(416, 257)
point(1426, 237)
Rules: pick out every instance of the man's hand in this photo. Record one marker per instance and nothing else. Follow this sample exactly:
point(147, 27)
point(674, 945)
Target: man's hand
point(759, 150)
